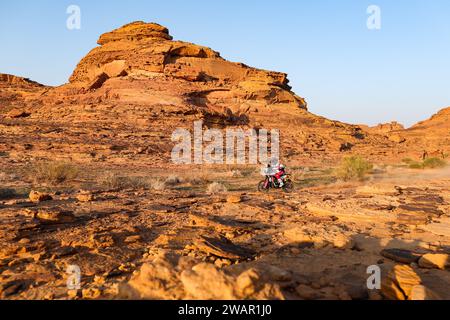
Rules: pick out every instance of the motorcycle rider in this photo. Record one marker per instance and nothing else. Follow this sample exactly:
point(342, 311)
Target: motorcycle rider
point(280, 173)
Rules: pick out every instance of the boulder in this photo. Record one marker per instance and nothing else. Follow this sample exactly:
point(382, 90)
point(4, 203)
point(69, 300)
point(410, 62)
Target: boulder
point(223, 248)
point(85, 197)
point(233, 198)
point(396, 138)
point(37, 196)
point(180, 278)
point(420, 292)
point(205, 282)
point(304, 237)
point(399, 282)
point(401, 255)
point(16, 113)
point(435, 261)
point(157, 279)
point(55, 216)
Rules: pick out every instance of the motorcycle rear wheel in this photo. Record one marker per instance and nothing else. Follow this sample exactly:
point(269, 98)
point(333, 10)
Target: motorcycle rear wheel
point(261, 186)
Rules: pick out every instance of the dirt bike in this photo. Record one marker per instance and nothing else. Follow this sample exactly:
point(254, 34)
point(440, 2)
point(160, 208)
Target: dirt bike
point(272, 183)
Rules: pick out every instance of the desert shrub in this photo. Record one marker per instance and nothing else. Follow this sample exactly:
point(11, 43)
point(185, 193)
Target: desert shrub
point(247, 172)
point(115, 181)
point(54, 172)
point(194, 181)
point(434, 163)
point(111, 181)
point(158, 185)
point(241, 172)
point(7, 177)
point(235, 174)
point(136, 182)
point(297, 174)
point(353, 168)
point(430, 163)
point(216, 187)
point(415, 165)
point(199, 177)
point(407, 160)
point(173, 180)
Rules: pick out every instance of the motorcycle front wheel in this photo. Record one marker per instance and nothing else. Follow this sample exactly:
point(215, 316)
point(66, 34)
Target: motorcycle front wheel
point(288, 186)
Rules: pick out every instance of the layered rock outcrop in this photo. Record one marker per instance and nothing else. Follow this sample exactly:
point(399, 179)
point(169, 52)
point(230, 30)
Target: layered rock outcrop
point(15, 80)
point(147, 49)
point(140, 83)
point(14, 92)
point(432, 135)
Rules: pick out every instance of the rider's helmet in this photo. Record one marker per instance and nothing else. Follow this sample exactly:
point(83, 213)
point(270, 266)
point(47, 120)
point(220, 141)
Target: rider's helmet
point(281, 166)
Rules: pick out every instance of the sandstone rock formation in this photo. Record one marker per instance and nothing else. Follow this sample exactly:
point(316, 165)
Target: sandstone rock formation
point(14, 80)
point(435, 131)
point(139, 80)
point(14, 92)
point(140, 83)
point(186, 280)
point(147, 49)
point(384, 128)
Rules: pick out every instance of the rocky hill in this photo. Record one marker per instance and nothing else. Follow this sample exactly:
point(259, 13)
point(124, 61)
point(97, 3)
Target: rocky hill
point(128, 94)
point(433, 135)
point(13, 90)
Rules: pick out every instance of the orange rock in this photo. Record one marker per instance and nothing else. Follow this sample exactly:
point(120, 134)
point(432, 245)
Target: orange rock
point(36, 196)
point(435, 261)
point(399, 283)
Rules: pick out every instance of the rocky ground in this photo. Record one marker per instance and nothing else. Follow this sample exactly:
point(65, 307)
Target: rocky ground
point(183, 241)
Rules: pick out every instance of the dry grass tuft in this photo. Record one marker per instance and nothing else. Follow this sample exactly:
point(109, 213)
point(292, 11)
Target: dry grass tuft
point(158, 185)
point(117, 182)
point(54, 173)
point(216, 187)
point(173, 180)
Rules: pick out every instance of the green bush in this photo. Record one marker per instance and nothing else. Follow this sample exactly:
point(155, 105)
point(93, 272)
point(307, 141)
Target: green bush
point(434, 163)
point(415, 165)
point(54, 172)
point(430, 163)
point(407, 160)
point(353, 168)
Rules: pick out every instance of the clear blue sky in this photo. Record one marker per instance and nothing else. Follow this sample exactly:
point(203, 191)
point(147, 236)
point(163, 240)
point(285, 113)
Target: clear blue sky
point(345, 71)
